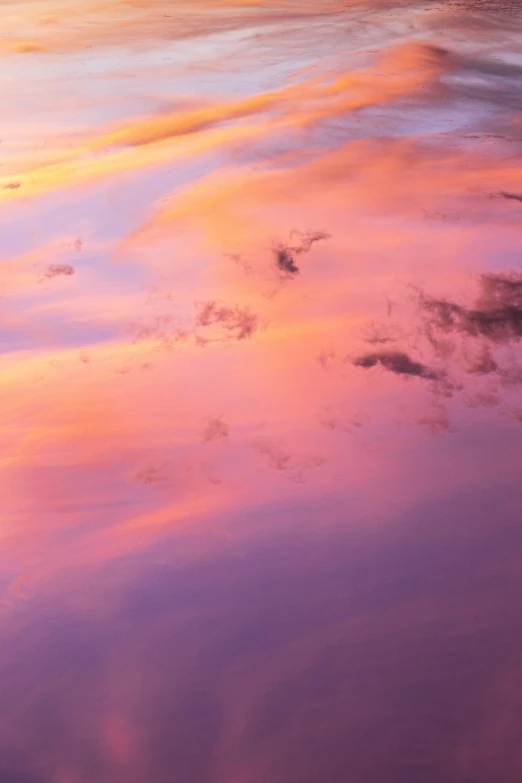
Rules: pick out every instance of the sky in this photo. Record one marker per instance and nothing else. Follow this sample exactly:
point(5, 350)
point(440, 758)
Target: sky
point(261, 383)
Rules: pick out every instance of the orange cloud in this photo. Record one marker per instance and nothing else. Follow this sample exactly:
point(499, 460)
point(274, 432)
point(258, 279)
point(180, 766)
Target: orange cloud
point(371, 177)
point(401, 71)
point(90, 169)
point(398, 72)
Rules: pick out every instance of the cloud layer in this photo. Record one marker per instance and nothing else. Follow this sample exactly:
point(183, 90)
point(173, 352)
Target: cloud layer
point(261, 324)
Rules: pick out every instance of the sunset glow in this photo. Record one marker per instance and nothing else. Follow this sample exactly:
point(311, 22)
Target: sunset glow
point(261, 374)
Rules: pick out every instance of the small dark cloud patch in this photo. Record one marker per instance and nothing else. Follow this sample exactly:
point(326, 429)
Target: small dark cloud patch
point(295, 468)
point(231, 322)
point(238, 322)
point(495, 316)
point(396, 362)
point(151, 475)
point(285, 260)
point(161, 329)
point(511, 196)
point(12, 186)
point(285, 254)
point(215, 429)
point(57, 270)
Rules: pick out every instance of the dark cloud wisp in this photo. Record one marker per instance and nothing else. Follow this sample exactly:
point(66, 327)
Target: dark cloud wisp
point(396, 362)
point(57, 270)
point(495, 316)
point(285, 254)
point(511, 196)
point(238, 322)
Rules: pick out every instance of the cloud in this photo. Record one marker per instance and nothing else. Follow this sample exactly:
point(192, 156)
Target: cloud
point(435, 420)
point(216, 429)
point(408, 67)
point(482, 363)
point(294, 467)
point(233, 322)
point(160, 328)
point(404, 70)
point(238, 322)
point(70, 168)
point(164, 126)
point(511, 196)
point(396, 362)
point(285, 261)
point(374, 177)
point(285, 254)
point(410, 70)
point(378, 335)
point(474, 346)
point(483, 400)
point(333, 420)
point(109, 23)
point(152, 474)
point(269, 626)
point(495, 82)
point(495, 316)
point(57, 270)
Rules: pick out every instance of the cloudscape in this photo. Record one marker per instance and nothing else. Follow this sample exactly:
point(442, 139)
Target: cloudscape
point(261, 370)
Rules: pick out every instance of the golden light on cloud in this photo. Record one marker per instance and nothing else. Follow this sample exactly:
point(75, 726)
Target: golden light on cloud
point(399, 73)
